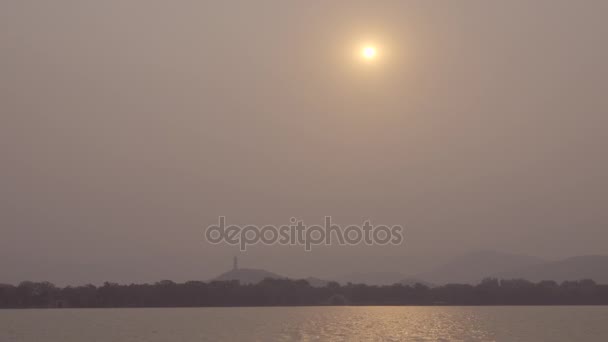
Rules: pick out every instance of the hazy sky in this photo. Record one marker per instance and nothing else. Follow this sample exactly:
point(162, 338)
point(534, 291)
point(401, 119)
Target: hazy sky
point(128, 126)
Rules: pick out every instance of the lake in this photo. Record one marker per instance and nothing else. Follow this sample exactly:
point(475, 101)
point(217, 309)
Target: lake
point(407, 323)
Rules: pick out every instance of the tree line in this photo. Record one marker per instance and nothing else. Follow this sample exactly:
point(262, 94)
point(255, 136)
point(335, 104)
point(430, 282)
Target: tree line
point(286, 292)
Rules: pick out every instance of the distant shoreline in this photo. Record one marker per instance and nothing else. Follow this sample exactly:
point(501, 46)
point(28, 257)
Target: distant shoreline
point(296, 293)
point(301, 306)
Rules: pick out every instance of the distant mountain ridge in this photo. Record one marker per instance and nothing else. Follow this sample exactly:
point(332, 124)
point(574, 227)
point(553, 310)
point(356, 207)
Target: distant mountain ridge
point(469, 268)
point(593, 267)
point(472, 267)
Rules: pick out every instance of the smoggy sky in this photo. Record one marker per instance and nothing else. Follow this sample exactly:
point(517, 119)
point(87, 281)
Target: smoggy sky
point(128, 126)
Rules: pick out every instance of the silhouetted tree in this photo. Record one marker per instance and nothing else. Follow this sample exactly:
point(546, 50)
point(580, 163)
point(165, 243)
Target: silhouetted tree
point(275, 292)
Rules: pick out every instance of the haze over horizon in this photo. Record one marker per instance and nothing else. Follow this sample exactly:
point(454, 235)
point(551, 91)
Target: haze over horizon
point(127, 127)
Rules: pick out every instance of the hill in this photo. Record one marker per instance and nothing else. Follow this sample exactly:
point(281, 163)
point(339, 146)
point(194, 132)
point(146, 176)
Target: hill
point(247, 275)
point(575, 268)
point(471, 268)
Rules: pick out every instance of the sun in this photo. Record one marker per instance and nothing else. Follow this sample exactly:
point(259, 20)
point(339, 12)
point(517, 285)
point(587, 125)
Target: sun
point(369, 52)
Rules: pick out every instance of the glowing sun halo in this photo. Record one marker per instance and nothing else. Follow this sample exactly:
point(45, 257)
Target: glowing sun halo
point(369, 52)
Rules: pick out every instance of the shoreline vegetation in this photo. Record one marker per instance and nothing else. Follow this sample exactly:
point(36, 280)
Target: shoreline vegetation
point(287, 292)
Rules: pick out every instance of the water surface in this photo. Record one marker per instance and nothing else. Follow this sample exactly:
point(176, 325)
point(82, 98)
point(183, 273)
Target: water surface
point(515, 323)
